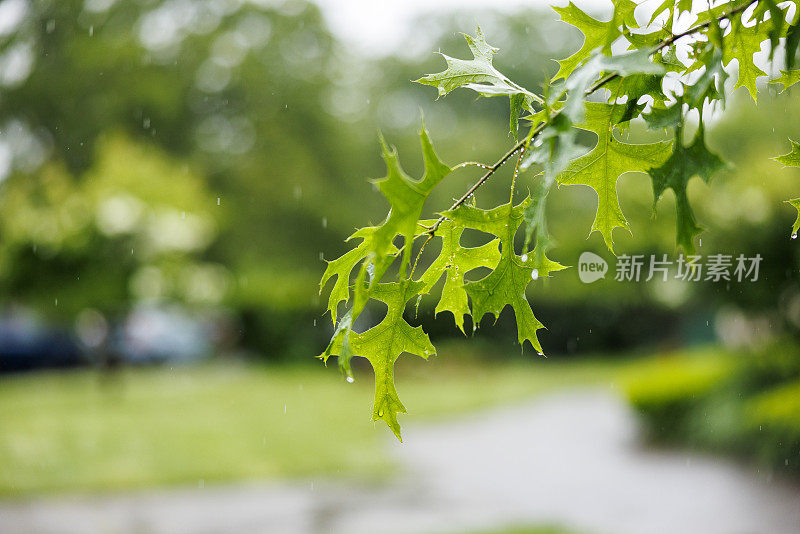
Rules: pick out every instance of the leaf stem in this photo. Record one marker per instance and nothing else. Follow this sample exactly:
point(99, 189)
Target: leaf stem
point(516, 171)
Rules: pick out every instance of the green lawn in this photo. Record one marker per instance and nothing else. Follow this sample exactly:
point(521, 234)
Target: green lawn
point(526, 530)
point(78, 431)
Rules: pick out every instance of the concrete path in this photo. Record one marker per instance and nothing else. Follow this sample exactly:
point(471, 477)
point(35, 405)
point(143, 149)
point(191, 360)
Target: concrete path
point(570, 459)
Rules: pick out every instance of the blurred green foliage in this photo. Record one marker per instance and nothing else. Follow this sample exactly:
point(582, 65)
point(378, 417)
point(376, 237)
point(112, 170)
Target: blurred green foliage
point(212, 153)
point(127, 229)
point(274, 119)
point(260, 125)
point(740, 402)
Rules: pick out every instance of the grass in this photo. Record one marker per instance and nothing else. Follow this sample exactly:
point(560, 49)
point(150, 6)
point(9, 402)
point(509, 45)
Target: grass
point(526, 530)
point(82, 432)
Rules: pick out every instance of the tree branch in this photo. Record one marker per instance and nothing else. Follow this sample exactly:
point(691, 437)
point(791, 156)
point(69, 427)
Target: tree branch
point(597, 85)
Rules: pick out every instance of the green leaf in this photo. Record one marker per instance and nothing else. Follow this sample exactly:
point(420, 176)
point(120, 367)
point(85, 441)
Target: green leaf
point(675, 7)
point(455, 261)
point(792, 42)
point(776, 23)
point(635, 86)
point(596, 33)
point(480, 75)
point(406, 199)
point(637, 62)
point(682, 165)
point(342, 268)
point(601, 167)
point(382, 344)
point(718, 11)
point(741, 44)
point(787, 78)
point(622, 20)
point(554, 149)
point(664, 117)
point(792, 159)
point(796, 226)
point(711, 83)
point(506, 284)
point(516, 104)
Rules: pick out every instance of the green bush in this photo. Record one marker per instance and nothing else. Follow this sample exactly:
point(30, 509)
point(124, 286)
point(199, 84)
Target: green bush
point(667, 391)
point(773, 420)
point(746, 404)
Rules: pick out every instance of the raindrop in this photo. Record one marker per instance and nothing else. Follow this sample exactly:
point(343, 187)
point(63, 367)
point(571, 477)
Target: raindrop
point(315, 322)
point(320, 257)
point(524, 257)
point(540, 353)
point(56, 302)
point(218, 201)
point(324, 222)
point(535, 274)
point(794, 236)
point(700, 242)
point(146, 123)
point(284, 409)
point(350, 379)
point(91, 31)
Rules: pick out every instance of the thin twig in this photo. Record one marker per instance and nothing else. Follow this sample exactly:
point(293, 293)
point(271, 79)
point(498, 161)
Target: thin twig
point(516, 171)
point(419, 254)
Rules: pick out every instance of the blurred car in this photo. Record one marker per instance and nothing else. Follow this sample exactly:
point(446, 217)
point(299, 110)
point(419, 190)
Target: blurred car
point(27, 344)
point(156, 334)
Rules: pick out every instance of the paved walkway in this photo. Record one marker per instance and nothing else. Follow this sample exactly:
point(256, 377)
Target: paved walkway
point(570, 459)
